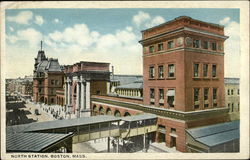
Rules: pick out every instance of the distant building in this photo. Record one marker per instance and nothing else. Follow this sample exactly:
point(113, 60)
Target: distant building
point(47, 78)
point(232, 97)
point(130, 86)
point(84, 79)
point(22, 86)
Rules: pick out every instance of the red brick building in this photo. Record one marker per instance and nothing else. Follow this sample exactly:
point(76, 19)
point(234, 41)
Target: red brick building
point(183, 76)
point(47, 78)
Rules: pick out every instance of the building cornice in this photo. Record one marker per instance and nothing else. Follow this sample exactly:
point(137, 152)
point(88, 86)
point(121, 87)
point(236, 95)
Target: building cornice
point(181, 30)
point(184, 49)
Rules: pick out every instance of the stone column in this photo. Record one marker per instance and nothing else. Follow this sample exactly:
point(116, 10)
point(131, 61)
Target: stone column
point(65, 93)
point(69, 96)
point(83, 106)
point(87, 95)
point(77, 98)
point(108, 87)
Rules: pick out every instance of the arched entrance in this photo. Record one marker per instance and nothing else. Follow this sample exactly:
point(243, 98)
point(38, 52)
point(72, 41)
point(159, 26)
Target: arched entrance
point(127, 114)
point(109, 112)
point(41, 99)
point(95, 110)
point(117, 113)
point(101, 111)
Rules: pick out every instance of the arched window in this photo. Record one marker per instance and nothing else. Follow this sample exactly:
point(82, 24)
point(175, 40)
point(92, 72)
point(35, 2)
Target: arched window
point(117, 113)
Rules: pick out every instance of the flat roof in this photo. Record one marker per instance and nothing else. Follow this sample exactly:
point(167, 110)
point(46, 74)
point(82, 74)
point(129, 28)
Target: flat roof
point(32, 142)
point(62, 123)
point(215, 134)
point(139, 117)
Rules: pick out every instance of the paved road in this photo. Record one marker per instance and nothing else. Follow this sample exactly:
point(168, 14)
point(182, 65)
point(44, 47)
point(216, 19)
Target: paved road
point(40, 118)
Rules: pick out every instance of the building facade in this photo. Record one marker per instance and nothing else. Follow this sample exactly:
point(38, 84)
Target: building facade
point(183, 80)
point(84, 79)
point(232, 97)
point(47, 78)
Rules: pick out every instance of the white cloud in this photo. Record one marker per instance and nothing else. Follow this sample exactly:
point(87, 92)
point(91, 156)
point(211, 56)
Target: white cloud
point(29, 35)
point(11, 29)
point(39, 20)
point(56, 20)
point(144, 20)
point(232, 48)
point(22, 17)
point(140, 18)
point(224, 21)
point(155, 21)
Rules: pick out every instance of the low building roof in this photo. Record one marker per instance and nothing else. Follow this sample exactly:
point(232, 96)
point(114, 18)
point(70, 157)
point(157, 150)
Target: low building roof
point(139, 117)
point(125, 79)
point(136, 85)
point(232, 80)
point(215, 134)
point(32, 142)
point(62, 123)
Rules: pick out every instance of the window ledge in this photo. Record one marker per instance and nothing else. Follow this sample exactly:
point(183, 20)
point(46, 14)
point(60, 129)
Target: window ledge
point(197, 78)
point(160, 78)
point(151, 79)
point(206, 78)
point(170, 78)
point(215, 78)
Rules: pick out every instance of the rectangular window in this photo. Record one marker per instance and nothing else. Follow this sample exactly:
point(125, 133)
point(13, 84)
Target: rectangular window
point(232, 107)
point(220, 47)
point(214, 70)
point(173, 130)
point(171, 70)
point(196, 70)
point(228, 105)
point(160, 47)
point(196, 43)
point(161, 93)
point(206, 93)
point(57, 82)
point(205, 70)
point(52, 82)
point(214, 46)
point(215, 97)
point(160, 72)
point(196, 98)
point(151, 49)
point(238, 91)
point(214, 93)
point(205, 44)
point(232, 92)
point(228, 92)
point(151, 72)
point(161, 97)
point(152, 93)
point(238, 106)
point(171, 97)
point(170, 44)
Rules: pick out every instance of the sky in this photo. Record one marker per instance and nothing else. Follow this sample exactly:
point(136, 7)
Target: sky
point(102, 35)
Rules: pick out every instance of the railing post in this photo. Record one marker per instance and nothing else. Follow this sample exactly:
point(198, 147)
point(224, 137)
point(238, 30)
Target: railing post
point(108, 144)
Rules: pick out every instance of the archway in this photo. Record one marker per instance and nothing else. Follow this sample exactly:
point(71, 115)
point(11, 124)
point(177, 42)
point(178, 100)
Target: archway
point(46, 101)
point(41, 99)
point(117, 113)
point(95, 110)
point(127, 114)
point(101, 111)
point(109, 112)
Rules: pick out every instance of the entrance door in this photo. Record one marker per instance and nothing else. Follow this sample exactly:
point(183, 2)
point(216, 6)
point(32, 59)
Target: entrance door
point(161, 137)
point(173, 141)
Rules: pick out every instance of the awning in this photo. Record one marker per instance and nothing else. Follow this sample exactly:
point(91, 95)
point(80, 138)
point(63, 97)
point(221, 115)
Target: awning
point(171, 92)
